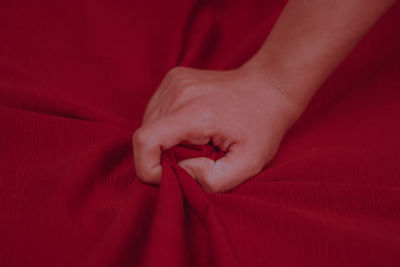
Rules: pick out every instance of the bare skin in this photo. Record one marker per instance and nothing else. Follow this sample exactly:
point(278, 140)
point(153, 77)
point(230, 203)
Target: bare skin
point(247, 111)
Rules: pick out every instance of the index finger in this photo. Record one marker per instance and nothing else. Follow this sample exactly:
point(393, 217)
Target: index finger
point(150, 140)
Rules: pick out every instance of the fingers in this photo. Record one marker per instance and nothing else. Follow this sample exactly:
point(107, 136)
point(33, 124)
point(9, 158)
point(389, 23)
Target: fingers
point(226, 173)
point(150, 140)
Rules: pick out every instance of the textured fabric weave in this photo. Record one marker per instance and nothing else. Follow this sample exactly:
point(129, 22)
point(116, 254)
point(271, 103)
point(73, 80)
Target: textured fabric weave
point(75, 77)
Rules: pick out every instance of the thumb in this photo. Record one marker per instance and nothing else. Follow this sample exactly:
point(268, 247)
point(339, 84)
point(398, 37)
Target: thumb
point(197, 167)
point(234, 168)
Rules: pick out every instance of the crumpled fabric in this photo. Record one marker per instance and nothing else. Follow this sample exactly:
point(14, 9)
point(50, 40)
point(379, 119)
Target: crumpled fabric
point(75, 78)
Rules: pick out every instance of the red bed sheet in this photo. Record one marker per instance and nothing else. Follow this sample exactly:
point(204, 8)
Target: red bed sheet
point(75, 77)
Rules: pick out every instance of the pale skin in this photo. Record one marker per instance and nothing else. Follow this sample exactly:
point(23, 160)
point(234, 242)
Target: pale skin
point(247, 111)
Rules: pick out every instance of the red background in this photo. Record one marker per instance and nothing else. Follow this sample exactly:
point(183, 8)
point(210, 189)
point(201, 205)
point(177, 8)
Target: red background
point(75, 77)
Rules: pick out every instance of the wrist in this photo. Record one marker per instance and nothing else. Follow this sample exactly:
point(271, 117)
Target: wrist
point(287, 107)
point(291, 83)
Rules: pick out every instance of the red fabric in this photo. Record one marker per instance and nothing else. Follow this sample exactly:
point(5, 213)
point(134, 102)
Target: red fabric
point(75, 77)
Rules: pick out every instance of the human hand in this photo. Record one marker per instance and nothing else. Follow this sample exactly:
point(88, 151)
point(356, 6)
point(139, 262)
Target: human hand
point(241, 111)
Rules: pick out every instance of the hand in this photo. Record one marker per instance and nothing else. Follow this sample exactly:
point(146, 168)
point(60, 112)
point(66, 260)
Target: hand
point(241, 111)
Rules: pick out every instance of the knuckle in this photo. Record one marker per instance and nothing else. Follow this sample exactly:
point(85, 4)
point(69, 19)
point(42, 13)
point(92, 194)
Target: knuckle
point(181, 79)
point(185, 91)
point(188, 88)
point(175, 73)
point(140, 137)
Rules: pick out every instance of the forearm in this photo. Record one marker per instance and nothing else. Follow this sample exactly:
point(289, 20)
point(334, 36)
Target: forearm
point(310, 38)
